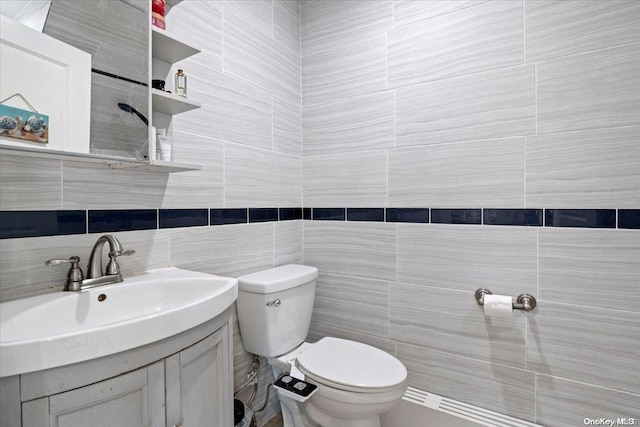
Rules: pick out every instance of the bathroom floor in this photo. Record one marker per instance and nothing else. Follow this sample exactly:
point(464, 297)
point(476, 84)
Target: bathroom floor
point(275, 421)
point(405, 414)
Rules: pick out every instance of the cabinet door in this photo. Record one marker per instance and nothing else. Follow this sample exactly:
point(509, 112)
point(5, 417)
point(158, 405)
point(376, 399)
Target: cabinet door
point(130, 400)
point(198, 384)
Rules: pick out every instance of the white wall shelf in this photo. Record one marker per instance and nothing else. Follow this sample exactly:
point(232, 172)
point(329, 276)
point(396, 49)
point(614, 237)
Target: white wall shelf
point(109, 161)
point(171, 3)
point(169, 103)
point(166, 50)
point(168, 47)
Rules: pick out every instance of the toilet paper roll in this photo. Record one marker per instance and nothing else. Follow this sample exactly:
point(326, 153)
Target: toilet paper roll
point(498, 306)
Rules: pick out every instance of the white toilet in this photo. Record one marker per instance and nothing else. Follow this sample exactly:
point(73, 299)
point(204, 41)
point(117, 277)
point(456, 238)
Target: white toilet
point(356, 382)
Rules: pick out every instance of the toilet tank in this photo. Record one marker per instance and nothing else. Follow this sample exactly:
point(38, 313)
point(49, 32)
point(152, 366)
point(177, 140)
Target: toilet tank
point(270, 328)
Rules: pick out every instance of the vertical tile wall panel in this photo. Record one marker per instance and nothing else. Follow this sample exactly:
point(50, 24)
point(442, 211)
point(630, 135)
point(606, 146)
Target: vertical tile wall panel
point(564, 403)
point(502, 259)
point(109, 123)
point(470, 40)
point(231, 110)
point(588, 91)
point(29, 183)
point(258, 59)
point(288, 243)
point(345, 20)
point(451, 321)
point(562, 28)
point(358, 123)
point(321, 330)
point(85, 186)
point(478, 173)
point(365, 250)
point(480, 106)
point(344, 69)
point(597, 268)
point(354, 303)
point(200, 24)
point(254, 13)
point(407, 12)
point(261, 178)
point(117, 45)
point(287, 126)
point(238, 249)
point(487, 385)
point(578, 343)
point(584, 169)
point(202, 188)
point(286, 24)
point(350, 179)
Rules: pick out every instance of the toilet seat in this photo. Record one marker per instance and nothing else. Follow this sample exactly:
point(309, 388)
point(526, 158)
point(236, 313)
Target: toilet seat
point(351, 366)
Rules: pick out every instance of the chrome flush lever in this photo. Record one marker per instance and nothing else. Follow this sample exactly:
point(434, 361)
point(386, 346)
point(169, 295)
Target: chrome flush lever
point(274, 303)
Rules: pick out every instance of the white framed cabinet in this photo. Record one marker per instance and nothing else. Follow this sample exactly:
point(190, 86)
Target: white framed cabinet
point(168, 48)
point(135, 399)
point(196, 381)
point(185, 380)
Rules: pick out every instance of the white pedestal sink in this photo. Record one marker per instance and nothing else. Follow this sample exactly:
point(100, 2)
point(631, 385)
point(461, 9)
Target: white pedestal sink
point(59, 329)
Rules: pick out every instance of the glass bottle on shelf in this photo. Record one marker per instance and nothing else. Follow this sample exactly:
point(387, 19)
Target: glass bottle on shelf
point(181, 83)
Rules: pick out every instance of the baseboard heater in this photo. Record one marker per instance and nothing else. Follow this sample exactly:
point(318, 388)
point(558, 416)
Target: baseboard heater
point(483, 417)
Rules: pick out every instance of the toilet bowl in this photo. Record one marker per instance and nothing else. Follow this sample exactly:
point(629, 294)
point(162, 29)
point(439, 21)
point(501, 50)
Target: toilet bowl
point(355, 382)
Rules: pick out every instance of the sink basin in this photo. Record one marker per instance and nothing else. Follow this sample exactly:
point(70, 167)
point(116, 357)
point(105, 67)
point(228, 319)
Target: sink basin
point(59, 329)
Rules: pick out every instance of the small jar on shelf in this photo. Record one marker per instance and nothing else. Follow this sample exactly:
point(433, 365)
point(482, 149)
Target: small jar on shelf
point(158, 9)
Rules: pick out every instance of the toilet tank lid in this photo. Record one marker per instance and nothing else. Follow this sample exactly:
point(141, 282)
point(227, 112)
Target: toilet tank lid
point(277, 279)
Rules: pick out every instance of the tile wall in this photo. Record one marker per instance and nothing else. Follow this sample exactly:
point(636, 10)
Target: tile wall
point(247, 136)
point(466, 119)
point(435, 145)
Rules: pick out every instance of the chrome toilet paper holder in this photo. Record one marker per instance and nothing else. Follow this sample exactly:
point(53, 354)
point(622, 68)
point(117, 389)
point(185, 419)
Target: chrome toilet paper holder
point(524, 302)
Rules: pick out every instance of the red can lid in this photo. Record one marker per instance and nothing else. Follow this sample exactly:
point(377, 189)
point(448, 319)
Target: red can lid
point(158, 6)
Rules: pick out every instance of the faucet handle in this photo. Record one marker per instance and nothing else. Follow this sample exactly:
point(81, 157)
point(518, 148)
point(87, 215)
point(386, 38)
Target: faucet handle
point(72, 260)
point(128, 252)
point(74, 276)
point(113, 267)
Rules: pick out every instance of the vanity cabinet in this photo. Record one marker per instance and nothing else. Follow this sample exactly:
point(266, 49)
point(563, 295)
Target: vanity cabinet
point(196, 379)
point(130, 400)
point(184, 380)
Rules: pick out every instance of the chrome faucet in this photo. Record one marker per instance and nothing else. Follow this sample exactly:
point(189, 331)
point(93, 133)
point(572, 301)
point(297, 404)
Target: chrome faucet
point(94, 269)
point(96, 276)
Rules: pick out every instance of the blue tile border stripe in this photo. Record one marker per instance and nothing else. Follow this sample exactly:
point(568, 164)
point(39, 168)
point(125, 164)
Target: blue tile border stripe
point(228, 216)
point(176, 218)
point(289, 214)
point(413, 215)
point(263, 214)
point(103, 221)
point(629, 218)
point(365, 214)
point(521, 217)
point(456, 216)
point(20, 224)
point(583, 218)
point(329, 214)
